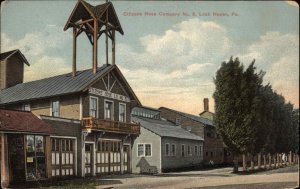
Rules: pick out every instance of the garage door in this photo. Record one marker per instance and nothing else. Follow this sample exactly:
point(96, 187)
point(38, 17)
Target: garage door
point(108, 157)
point(63, 152)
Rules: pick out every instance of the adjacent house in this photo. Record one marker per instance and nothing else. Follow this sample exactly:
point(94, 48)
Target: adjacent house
point(162, 145)
point(213, 149)
point(25, 147)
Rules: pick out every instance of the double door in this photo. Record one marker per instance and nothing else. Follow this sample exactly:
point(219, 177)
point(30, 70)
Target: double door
point(107, 157)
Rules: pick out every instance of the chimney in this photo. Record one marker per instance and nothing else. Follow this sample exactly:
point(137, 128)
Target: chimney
point(206, 104)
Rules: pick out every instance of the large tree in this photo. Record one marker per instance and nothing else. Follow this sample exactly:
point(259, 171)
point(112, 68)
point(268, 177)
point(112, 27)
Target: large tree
point(237, 103)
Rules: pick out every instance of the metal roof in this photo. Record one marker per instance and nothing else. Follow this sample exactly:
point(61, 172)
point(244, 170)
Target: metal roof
point(165, 128)
point(53, 86)
point(190, 116)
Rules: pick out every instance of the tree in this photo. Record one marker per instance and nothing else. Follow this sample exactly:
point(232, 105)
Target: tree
point(228, 106)
point(238, 106)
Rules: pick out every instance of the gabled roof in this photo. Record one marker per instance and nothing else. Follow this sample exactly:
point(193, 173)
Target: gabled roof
point(85, 11)
point(190, 116)
point(60, 85)
point(165, 128)
point(19, 121)
point(16, 52)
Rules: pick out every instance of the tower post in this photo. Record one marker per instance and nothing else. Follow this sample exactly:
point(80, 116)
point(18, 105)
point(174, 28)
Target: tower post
point(95, 63)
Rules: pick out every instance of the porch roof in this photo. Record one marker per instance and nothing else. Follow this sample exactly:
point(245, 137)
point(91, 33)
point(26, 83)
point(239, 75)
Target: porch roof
point(21, 121)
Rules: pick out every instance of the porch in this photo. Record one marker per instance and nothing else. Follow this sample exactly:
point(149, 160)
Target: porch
point(90, 123)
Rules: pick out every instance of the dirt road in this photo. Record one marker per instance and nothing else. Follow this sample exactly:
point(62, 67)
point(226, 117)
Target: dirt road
point(218, 178)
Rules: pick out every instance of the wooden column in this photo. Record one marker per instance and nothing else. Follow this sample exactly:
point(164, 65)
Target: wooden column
point(106, 37)
point(4, 161)
point(95, 49)
point(48, 157)
point(74, 52)
point(113, 48)
point(122, 156)
point(106, 46)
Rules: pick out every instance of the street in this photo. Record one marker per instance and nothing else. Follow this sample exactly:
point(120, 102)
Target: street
point(287, 177)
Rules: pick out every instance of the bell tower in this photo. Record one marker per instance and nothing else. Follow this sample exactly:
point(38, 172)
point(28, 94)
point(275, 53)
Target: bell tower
point(94, 21)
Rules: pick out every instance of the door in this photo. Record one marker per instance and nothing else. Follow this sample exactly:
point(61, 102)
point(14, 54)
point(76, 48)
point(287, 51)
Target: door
point(17, 157)
point(108, 157)
point(88, 159)
point(126, 159)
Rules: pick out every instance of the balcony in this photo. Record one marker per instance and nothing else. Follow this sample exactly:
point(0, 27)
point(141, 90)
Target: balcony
point(110, 126)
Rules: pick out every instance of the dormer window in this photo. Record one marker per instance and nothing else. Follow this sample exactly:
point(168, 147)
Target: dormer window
point(178, 121)
point(26, 107)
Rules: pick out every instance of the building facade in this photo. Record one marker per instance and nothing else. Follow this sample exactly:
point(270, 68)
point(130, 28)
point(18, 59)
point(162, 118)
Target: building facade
point(213, 149)
point(163, 146)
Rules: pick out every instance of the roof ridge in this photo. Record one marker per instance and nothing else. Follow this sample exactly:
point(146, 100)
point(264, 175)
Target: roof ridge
point(185, 114)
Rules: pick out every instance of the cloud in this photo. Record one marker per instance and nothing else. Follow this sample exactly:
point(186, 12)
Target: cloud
point(37, 48)
point(278, 55)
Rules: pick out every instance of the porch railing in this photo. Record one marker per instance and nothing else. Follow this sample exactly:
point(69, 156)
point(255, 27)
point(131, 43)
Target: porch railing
point(109, 125)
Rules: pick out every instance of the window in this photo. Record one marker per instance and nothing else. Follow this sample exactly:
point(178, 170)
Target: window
point(177, 121)
point(108, 110)
point(35, 157)
point(196, 151)
point(208, 135)
point(189, 128)
point(189, 152)
point(122, 112)
point(173, 150)
point(55, 108)
point(182, 150)
point(140, 150)
point(148, 151)
point(167, 149)
point(144, 150)
point(26, 107)
point(94, 107)
point(200, 150)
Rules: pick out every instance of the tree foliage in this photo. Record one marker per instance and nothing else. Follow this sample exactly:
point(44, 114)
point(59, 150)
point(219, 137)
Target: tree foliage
point(252, 117)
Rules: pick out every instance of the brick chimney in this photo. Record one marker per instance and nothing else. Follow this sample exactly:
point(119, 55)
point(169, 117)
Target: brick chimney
point(206, 104)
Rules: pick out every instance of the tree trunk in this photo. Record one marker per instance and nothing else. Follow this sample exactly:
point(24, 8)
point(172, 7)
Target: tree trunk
point(252, 162)
point(258, 160)
point(265, 162)
point(274, 157)
point(244, 163)
point(235, 163)
point(270, 161)
point(290, 158)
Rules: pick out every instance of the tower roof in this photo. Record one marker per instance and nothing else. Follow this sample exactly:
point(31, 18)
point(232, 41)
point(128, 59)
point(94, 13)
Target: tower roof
point(85, 12)
point(16, 52)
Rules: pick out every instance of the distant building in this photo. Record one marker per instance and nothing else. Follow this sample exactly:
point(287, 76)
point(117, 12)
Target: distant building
point(206, 113)
point(162, 145)
point(213, 148)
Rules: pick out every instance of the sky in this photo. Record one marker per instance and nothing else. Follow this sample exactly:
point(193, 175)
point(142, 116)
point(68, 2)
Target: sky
point(170, 51)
